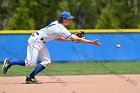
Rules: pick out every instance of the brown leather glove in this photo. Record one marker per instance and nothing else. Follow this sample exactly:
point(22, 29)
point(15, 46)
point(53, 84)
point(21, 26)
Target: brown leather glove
point(80, 34)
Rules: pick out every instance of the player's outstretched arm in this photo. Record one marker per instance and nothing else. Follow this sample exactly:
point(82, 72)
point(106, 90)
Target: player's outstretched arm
point(62, 39)
point(82, 40)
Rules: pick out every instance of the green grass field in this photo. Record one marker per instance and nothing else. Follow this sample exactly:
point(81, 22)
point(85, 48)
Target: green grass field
point(78, 68)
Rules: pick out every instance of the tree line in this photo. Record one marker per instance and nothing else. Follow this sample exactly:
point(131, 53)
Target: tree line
point(89, 14)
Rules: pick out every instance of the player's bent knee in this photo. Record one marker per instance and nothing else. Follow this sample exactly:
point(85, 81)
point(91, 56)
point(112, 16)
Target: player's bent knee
point(49, 64)
point(46, 63)
point(29, 63)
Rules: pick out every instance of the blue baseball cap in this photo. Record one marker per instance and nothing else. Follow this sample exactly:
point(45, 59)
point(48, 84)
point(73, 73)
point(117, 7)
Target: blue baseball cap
point(66, 15)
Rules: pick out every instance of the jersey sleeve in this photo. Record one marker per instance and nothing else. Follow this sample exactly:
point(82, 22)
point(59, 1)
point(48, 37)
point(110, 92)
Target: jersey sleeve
point(65, 33)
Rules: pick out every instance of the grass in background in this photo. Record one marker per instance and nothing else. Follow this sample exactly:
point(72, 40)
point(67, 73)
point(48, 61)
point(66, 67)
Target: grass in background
point(78, 68)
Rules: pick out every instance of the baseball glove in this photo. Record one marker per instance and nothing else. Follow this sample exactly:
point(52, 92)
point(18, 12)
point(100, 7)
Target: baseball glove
point(80, 34)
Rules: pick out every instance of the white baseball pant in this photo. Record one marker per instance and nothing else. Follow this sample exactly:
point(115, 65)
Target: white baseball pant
point(37, 48)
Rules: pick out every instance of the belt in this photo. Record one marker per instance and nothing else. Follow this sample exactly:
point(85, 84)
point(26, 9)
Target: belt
point(42, 39)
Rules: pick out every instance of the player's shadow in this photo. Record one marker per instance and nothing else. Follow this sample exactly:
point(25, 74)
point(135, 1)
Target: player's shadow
point(63, 83)
point(45, 82)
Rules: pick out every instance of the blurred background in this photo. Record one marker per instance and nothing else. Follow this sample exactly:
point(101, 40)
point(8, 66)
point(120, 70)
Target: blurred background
point(35, 14)
point(111, 21)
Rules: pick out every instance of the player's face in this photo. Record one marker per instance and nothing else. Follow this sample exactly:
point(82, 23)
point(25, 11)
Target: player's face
point(66, 21)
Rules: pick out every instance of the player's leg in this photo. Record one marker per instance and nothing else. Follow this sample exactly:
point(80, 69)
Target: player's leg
point(16, 62)
point(31, 60)
point(8, 63)
point(32, 55)
point(45, 57)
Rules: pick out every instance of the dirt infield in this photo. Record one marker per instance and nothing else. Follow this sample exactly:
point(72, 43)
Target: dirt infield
point(73, 84)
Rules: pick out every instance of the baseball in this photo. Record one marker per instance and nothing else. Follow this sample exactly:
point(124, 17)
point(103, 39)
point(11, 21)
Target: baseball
point(118, 45)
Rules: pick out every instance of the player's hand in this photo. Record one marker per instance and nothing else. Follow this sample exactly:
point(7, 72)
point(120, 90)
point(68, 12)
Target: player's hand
point(95, 42)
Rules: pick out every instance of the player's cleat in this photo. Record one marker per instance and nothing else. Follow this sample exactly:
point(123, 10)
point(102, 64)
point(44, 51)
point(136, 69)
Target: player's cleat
point(6, 65)
point(32, 80)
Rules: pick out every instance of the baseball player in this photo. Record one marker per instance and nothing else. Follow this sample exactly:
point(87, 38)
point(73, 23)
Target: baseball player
point(36, 46)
